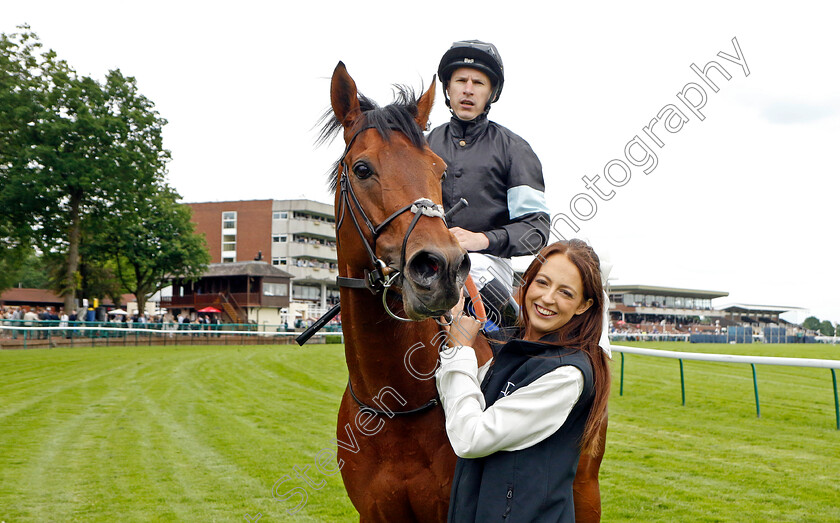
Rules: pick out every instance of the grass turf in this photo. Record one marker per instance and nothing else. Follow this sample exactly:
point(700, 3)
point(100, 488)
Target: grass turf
point(204, 433)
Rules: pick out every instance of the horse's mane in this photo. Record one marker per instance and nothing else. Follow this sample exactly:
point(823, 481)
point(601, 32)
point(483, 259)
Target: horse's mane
point(398, 116)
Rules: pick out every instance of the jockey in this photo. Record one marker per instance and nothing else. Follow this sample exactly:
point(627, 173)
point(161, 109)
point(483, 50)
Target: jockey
point(495, 170)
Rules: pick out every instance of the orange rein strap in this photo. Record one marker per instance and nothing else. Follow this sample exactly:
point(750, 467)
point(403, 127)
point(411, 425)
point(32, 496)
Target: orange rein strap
point(475, 298)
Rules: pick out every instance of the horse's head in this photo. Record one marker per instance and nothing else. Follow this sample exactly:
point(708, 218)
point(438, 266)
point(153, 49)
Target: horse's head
point(387, 166)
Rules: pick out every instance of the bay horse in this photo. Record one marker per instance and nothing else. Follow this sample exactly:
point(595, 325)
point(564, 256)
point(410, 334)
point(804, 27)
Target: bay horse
point(399, 269)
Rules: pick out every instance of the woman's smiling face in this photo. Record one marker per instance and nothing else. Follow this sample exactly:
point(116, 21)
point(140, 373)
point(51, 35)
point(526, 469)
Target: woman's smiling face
point(554, 297)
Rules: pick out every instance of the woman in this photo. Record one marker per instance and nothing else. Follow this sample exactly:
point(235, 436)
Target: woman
point(520, 422)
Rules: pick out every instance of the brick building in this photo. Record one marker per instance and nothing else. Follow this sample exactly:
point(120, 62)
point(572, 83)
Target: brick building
point(297, 236)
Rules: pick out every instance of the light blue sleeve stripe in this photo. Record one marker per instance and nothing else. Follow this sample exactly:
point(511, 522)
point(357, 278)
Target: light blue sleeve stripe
point(524, 199)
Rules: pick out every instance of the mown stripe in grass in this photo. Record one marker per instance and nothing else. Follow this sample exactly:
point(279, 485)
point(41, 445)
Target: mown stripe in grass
point(202, 433)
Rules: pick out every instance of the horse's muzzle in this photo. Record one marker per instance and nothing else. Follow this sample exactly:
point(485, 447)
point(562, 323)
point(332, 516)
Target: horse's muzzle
point(435, 278)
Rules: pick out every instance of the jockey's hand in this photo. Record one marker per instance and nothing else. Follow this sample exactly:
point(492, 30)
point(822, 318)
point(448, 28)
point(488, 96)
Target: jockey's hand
point(471, 241)
point(464, 328)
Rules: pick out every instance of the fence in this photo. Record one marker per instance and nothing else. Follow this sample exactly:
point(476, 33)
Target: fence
point(42, 334)
point(648, 336)
point(729, 358)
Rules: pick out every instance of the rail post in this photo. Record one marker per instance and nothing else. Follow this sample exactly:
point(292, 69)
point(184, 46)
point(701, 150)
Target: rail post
point(836, 403)
point(682, 382)
point(731, 358)
point(621, 386)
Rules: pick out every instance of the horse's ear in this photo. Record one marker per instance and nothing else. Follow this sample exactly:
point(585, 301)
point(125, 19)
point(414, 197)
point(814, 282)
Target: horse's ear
point(424, 106)
point(344, 96)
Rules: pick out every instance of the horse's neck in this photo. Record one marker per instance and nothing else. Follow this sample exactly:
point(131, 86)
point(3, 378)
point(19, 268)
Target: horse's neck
point(376, 348)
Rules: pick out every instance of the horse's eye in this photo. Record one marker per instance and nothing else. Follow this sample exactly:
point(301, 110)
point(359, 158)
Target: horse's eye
point(362, 170)
point(443, 176)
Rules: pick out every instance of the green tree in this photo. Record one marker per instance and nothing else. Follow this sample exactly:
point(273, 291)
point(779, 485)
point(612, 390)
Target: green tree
point(826, 328)
point(100, 280)
point(75, 148)
point(152, 239)
point(811, 323)
point(33, 272)
point(11, 262)
point(18, 104)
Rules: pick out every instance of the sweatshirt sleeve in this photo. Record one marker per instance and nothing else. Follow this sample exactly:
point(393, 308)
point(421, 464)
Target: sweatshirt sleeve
point(524, 418)
point(523, 236)
point(527, 231)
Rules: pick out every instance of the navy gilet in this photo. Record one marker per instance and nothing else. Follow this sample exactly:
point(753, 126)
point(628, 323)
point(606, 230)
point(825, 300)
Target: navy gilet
point(532, 484)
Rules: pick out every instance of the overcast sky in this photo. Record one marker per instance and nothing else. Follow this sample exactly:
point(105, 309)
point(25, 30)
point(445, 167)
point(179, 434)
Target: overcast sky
point(743, 201)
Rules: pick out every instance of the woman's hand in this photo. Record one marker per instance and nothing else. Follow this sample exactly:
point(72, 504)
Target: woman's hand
point(464, 328)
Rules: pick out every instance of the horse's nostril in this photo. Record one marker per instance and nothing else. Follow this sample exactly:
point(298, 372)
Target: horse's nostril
point(425, 268)
point(464, 267)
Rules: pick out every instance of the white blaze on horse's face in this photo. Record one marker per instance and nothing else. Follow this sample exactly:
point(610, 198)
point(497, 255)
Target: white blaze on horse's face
point(386, 175)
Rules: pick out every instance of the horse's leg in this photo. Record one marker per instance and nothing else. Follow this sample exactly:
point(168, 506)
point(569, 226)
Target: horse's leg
point(586, 488)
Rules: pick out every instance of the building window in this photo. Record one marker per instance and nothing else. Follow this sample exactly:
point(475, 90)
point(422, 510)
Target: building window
point(279, 215)
point(229, 220)
point(278, 238)
point(306, 292)
point(275, 260)
point(275, 289)
point(228, 236)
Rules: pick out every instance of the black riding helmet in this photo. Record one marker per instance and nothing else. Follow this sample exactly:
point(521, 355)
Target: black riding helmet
point(478, 55)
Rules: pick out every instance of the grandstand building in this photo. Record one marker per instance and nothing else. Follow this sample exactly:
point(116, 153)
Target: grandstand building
point(297, 236)
point(756, 315)
point(636, 304)
point(648, 312)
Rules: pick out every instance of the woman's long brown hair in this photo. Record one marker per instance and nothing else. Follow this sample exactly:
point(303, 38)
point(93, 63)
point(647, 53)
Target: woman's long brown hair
point(583, 331)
